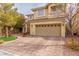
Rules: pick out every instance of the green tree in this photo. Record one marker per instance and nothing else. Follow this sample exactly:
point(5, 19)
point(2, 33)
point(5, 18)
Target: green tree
point(20, 23)
point(8, 17)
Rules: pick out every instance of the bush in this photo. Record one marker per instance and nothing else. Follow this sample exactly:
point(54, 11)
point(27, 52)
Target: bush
point(76, 45)
point(1, 41)
point(72, 43)
point(69, 42)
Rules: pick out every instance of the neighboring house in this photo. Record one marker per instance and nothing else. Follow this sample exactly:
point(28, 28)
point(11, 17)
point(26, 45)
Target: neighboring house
point(48, 20)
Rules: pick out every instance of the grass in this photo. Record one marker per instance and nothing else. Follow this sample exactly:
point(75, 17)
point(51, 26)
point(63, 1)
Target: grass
point(10, 38)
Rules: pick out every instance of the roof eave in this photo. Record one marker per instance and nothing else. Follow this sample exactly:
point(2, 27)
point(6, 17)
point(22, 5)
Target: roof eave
point(41, 7)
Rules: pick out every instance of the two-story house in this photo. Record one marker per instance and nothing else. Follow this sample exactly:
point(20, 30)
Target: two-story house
point(48, 20)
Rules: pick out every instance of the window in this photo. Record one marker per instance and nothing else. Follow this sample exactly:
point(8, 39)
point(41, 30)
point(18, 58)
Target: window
point(48, 25)
point(55, 11)
point(41, 12)
point(31, 17)
point(51, 25)
point(44, 25)
point(58, 24)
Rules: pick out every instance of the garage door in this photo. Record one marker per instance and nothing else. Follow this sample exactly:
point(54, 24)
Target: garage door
point(48, 30)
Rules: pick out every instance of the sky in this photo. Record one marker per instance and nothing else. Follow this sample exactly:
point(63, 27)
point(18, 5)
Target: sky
point(25, 8)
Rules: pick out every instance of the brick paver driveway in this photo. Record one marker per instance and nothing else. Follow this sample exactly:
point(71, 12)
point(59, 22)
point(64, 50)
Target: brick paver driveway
point(41, 46)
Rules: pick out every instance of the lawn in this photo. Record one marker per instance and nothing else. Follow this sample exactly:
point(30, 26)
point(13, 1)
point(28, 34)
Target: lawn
point(8, 38)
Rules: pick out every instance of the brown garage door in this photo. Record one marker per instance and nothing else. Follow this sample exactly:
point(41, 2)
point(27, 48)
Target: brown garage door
point(48, 30)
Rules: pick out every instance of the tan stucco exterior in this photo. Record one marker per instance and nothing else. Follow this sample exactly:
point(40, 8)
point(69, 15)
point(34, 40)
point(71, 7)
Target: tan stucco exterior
point(48, 19)
point(47, 10)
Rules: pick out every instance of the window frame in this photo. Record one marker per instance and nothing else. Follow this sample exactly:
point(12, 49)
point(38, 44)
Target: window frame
point(31, 17)
point(55, 10)
point(42, 11)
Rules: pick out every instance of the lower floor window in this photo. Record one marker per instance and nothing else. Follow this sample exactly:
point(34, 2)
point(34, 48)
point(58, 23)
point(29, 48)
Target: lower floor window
point(48, 25)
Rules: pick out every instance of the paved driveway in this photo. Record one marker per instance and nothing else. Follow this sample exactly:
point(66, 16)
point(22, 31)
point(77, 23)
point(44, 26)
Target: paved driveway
point(41, 46)
point(5, 53)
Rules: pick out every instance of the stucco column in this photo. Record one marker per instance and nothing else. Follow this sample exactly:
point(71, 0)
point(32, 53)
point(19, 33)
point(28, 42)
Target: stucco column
point(63, 30)
point(32, 29)
point(49, 11)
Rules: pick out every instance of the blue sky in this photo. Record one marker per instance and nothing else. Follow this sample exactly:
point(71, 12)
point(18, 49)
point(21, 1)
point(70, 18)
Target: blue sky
point(25, 8)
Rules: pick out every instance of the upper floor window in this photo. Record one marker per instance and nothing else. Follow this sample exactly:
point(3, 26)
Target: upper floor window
point(55, 11)
point(41, 12)
point(31, 17)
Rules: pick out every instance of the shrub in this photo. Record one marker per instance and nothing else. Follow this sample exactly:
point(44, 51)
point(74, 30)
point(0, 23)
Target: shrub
point(1, 41)
point(76, 45)
point(69, 42)
point(72, 43)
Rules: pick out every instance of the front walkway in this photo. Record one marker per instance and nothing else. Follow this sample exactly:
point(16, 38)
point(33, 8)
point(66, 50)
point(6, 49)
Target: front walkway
point(41, 46)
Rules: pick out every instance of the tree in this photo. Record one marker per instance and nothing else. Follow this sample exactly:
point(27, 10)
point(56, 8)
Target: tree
point(20, 23)
point(70, 16)
point(76, 24)
point(8, 17)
